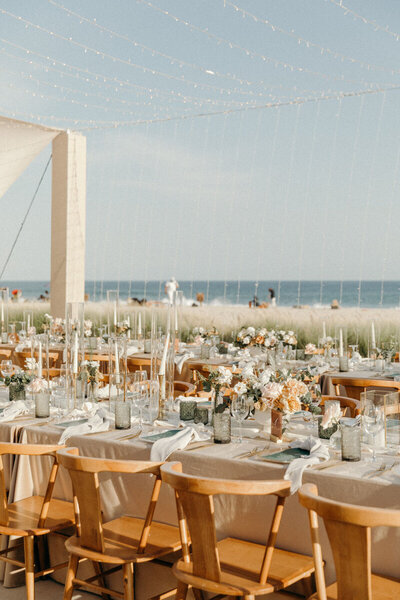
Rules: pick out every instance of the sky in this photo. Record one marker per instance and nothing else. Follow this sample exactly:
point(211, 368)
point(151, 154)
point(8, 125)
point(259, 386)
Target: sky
point(220, 145)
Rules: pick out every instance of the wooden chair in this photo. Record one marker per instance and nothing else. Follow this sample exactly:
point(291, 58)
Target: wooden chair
point(354, 387)
point(122, 542)
point(24, 354)
point(138, 364)
point(351, 405)
point(34, 517)
point(230, 567)
point(5, 354)
point(183, 388)
point(349, 531)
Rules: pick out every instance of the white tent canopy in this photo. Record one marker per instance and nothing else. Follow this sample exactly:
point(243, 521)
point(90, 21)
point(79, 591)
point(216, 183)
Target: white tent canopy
point(20, 143)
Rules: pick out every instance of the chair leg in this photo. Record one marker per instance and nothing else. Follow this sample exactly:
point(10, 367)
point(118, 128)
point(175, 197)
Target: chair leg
point(29, 549)
point(101, 579)
point(181, 591)
point(71, 574)
point(198, 594)
point(128, 581)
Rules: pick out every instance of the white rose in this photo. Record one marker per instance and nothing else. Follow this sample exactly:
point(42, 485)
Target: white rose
point(224, 376)
point(271, 391)
point(246, 340)
point(240, 388)
point(251, 331)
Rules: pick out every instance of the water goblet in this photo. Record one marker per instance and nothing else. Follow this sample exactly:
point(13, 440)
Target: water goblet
point(6, 368)
point(240, 410)
point(373, 421)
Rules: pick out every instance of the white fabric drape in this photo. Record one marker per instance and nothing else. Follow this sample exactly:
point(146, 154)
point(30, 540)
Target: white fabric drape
point(20, 143)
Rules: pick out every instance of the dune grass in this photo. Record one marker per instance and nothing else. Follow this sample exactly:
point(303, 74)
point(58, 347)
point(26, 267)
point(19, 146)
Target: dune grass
point(306, 323)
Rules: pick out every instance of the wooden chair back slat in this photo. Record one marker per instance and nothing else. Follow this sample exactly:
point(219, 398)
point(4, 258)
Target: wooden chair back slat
point(149, 516)
point(351, 549)
point(199, 513)
point(3, 496)
point(350, 404)
point(87, 492)
point(273, 533)
point(355, 386)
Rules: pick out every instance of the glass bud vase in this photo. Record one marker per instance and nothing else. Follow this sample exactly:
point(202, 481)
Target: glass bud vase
point(221, 421)
point(277, 425)
point(15, 392)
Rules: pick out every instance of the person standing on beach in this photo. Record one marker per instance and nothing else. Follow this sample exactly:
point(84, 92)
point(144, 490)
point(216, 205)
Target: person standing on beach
point(272, 296)
point(170, 288)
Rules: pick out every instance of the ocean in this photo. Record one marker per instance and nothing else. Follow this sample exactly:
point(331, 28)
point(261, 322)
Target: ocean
point(373, 294)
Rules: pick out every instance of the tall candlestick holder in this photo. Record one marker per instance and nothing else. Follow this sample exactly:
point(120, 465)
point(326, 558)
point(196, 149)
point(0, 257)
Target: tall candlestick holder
point(4, 315)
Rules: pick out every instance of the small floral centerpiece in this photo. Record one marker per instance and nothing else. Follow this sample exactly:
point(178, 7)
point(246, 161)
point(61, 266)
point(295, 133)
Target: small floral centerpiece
point(327, 342)
point(283, 393)
point(87, 328)
point(262, 338)
point(122, 327)
point(90, 372)
point(200, 335)
point(215, 381)
point(56, 327)
point(17, 384)
point(310, 349)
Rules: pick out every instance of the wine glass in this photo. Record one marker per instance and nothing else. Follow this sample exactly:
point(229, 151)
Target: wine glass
point(373, 421)
point(6, 368)
point(141, 389)
point(240, 410)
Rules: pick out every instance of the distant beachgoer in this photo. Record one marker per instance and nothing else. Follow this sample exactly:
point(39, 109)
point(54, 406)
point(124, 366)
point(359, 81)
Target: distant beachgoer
point(16, 295)
point(170, 288)
point(255, 301)
point(200, 298)
point(335, 304)
point(272, 296)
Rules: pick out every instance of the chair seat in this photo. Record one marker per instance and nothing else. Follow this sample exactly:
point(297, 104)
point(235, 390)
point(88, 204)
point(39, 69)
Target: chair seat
point(383, 588)
point(246, 558)
point(121, 540)
point(24, 517)
point(241, 565)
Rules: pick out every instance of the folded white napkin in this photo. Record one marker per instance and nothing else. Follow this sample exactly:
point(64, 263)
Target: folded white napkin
point(104, 392)
point(164, 447)
point(132, 350)
point(95, 424)
point(22, 345)
point(318, 453)
point(181, 359)
point(15, 409)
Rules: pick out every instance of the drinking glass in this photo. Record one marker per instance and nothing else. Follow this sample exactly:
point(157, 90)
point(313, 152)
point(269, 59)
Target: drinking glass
point(373, 421)
point(316, 397)
point(6, 368)
point(154, 398)
point(240, 410)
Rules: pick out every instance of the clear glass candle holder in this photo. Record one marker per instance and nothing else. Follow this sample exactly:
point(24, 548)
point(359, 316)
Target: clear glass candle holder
point(122, 415)
point(186, 409)
point(350, 440)
point(201, 414)
point(205, 351)
point(4, 337)
point(343, 364)
point(15, 392)
point(92, 343)
point(42, 404)
point(222, 427)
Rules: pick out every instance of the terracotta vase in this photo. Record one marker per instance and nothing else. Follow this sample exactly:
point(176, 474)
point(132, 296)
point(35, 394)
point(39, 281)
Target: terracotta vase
point(276, 425)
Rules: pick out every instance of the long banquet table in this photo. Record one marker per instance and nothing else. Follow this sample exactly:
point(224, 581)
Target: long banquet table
point(241, 517)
